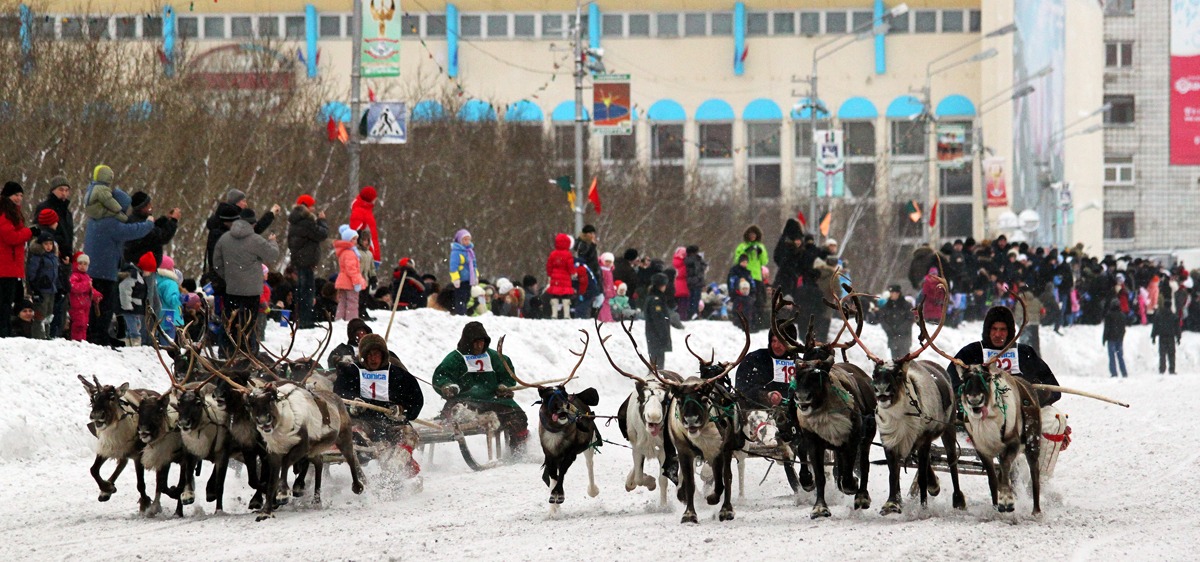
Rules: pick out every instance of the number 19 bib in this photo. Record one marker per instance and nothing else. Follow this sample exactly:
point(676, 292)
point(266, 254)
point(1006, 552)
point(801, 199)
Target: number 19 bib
point(481, 363)
point(785, 369)
point(373, 385)
point(1008, 361)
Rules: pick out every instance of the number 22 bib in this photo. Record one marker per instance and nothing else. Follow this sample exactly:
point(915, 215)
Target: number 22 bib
point(1009, 361)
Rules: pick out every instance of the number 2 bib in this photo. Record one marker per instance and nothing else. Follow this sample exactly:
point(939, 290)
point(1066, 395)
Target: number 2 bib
point(373, 385)
point(1008, 361)
point(785, 369)
point(481, 363)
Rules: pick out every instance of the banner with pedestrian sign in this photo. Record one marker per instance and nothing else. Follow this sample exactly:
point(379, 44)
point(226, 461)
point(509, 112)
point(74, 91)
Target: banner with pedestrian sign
point(997, 191)
point(612, 107)
point(387, 122)
point(381, 31)
point(831, 163)
point(951, 138)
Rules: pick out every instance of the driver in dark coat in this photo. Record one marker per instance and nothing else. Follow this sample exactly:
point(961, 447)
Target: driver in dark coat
point(1022, 361)
point(377, 380)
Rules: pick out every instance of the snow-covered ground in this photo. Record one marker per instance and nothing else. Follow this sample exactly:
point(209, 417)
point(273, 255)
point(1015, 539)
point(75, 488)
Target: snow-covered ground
point(1126, 487)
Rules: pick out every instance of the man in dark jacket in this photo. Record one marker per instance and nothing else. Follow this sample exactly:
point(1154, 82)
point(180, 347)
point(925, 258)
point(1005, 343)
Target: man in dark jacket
point(626, 269)
point(896, 317)
point(1114, 337)
point(787, 257)
point(585, 248)
point(140, 210)
point(1168, 332)
point(376, 380)
point(1022, 360)
point(696, 267)
point(223, 217)
point(306, 231)
point(657, 312)
point(763, 377)
point(58, 202)
point(238, 258)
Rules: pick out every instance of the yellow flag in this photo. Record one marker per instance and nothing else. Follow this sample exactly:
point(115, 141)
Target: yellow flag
point(571, 199)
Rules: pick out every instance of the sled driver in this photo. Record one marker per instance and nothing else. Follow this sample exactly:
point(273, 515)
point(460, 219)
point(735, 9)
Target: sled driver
point(473, 376)
point(379, 381)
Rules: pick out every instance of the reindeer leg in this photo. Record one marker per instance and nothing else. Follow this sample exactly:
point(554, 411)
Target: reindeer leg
point(718, 480)
point(255, 466)
point(862, 499)
point(1005, 491)
point(989, 468)
point(724, 460)
point(687, 491)
point(187, 480)
point(143, 499)
point(816, 455)
point(893, 503)
point(272, 462)
point(316, 499)
point(741, 463)
point(662, 485)
point(301, 471)
point(805, 477)
point(557, 493)
point(924, 472)
point(950, 444)
point(106, 486)
point(1032, 456)
point(160, 485)
point(637, 474)
point(593, 490)
point(345, 442)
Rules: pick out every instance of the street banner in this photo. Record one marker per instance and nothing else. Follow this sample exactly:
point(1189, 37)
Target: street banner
point(997, 191)
point(831, 163)
point(1185, 82)
point(950, 140)
point(387, 122)
point(612, 109)
point(381, 38)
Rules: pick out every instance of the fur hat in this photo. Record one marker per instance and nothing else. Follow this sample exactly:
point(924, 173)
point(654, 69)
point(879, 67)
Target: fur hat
point(140, 199)
point(147, 263)
point(372, 342)
point(11, 188)
point(57, 182)
point(353, 327)
point(47, 217)
point(102, 174)
point(472, 332)
point(368, 194)
point(235, 196)
point(306, 200)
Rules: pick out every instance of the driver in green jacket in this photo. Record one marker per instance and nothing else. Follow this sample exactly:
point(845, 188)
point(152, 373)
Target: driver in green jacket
point(472, 375)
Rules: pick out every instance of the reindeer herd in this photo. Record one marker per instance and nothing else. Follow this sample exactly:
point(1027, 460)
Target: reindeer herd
point(279, 419)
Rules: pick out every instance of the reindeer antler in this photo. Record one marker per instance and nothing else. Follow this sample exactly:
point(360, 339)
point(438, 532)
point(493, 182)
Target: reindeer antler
point(730, 366)
point(629, 332)
point(776, 330)
point(209, 366)
point(603, 338)
point(557, 382)
point(846, 320)
point(697, 355)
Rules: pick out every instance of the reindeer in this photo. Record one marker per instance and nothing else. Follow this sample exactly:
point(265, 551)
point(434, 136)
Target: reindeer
point(163, 446)
point(566, 426)
point(834, 410)
point(914, 406)
point(760, 426)
point(244, 439)
point(1002, 414)
point(700, 427)
point(114, 422)
point(641, 417)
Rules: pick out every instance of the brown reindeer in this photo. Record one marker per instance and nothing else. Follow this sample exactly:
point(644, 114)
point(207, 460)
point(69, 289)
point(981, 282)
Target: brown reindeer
point(162, 446)
point(1002, 415)
point(566, 426)
point(914, 406)
point(114, 421)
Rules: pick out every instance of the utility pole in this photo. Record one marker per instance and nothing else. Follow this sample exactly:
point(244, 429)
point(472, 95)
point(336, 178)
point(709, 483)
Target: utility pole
point(355, 97)
point(579, 119)
point(813, 107)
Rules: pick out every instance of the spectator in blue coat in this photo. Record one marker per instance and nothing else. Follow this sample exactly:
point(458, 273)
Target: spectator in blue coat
point(104, 243)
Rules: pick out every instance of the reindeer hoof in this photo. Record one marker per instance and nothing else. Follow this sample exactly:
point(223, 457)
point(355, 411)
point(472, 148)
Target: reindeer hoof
point(1004, 507)
point(104, 496)
point(630, 486)
point(256, 502)
point(862, 501)
point(713, 498)
point(819, 511)
point(649, 482)
point(848, 486)
point(188, 497)
point(298, 491)
point(357, 487)
point(210, 497)
point(890, 508)
point(108, 488)
point(593, 491)
point(934, 487)
point(556, 498)
point(725, 515)
point(689, 518)
point(960, 501)
point(806, 480)
point(264, 516)
point(316, 499)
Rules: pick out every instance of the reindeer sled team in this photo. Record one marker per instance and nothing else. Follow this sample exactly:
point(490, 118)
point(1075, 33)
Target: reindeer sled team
point(791, 402)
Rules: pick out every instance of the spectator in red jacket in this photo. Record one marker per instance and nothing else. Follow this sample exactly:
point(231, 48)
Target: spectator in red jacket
point(14, 235)
point(560, 266)
point(362, 213)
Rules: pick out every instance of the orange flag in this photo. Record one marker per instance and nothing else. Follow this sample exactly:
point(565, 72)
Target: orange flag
point(824, 224)
point(342, 134)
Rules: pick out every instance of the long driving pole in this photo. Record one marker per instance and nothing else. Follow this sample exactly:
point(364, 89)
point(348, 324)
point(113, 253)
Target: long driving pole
point(355, 98)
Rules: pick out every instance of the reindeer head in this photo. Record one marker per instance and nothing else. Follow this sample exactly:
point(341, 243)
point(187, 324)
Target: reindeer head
point(190, 406)
point(811, 385)
point(261, 404)
point(652, 401)
point(559, 408)
point(107, 401)
point(152, 417)
point(760, 427)
point(976, 391)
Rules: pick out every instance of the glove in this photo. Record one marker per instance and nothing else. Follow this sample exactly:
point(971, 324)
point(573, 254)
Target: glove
point(36, 230)
point(774, 398)
point(504, 392)
point(397, 413)
point(457, 283)
point(346, 359)
point(450, 390)
point(353, 410)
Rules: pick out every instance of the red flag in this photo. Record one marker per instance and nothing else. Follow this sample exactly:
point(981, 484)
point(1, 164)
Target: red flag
point(331, 129)
point(370, 94)
point(933, 214)
point(803, 219)
point(593, 195)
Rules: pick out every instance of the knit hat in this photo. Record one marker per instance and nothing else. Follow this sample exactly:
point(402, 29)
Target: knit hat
point(57, 182)
point(47, 217)
point(894, 289)
point(102, 174)
point(147, 263)
point(347, 233)
point(458, 236)
point(248, 216)
point(167, 262)
point(368, 194)
point(235, 196)
point(621, 287)
point(11, 188)
point(831, 242)
point(503, 286)
point(25, 304)
point(588, 228)
point(81, 257)
point(405, 262)
point(606, 257)
point(631, 254)
point(140, 199)
point(306, 200)
point(45, 236)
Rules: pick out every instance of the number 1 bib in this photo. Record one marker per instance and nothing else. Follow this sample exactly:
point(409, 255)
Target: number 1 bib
point(785, 369)
point(373, 385)
point(481, 363)
point(1008, 361)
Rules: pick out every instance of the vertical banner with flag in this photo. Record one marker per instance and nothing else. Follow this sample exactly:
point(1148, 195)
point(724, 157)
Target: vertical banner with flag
point(381, 38)
point(950, 140)
point(612, 108)
point(831, 163)
point(997, 191)
point(1185, 82)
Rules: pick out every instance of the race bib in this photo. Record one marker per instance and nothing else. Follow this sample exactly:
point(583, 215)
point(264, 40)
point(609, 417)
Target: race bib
point(1008, 361)
point(373, 385)
point(481, 363)
point(785, 369)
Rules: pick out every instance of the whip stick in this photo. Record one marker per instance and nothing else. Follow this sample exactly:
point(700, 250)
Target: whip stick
point(395, 303)
point(1065, 390)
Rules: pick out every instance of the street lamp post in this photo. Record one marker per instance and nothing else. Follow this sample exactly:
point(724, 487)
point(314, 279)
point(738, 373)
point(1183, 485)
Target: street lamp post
point(582, 66)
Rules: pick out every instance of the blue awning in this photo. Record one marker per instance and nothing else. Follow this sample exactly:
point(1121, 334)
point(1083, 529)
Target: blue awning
point(666, 110)
point(715, 110)
point(803, 109)
point(475, 111)
point(857, 108)
point(427, 110)
point(904, 107)
point(337, 110)
point(565, 111)
point(762, 109)
point(955, 105)
point(524, 111)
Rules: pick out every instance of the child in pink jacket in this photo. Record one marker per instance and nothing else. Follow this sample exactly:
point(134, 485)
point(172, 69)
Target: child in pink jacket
point(83, 296)
point(349, 280)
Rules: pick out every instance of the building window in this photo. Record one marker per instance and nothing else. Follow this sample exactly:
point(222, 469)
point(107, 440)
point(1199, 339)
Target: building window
point(860, 179)
point(186, 28)
point(925, 21)
point(898, 24)
point(1118, 170)
point(976, 21)
point(72, 28)
point(614, 25)
point(470, 26)
point(905, 226)
point(214, 27)
point(497, 25)
point(98, 28)
point(564, 142)
point(293, 27)
point(668, 25)
point(804, 136)
point(835, 22)
point(152, 27)
point(524, 25)
point(435, 26)
point(716, 140)
point(784, 22)
point(955, 181)
point(862, 20)
point(1119, 225)
point(810, 23)
point(1122, 110)
point(695, 24)
point(268, 27)
point(764, 180)
point(1118, 8)
point(952, 21)
point(241, 27)
point(527, 137)
point(620, 147)
point(667, 142)
point(763, 174)
point(639, 25)
point(331, 26)
point(722, 23)
point(410, 26)
point(552, 25)
point(957, 219)
point(859, 137)
point(1118, 54)
point(908, 138)
point(757, 23)
point(762, 139)
point(126, 28)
